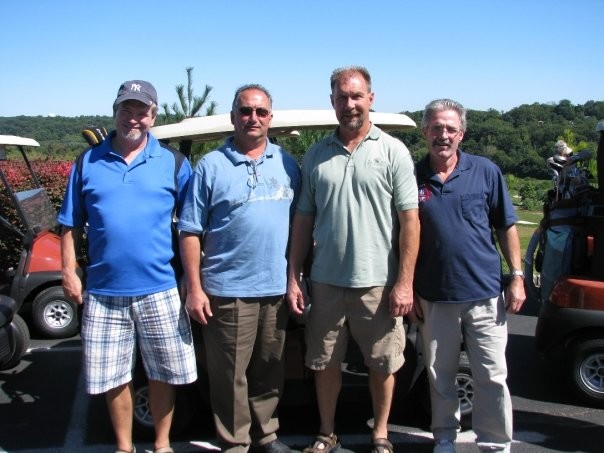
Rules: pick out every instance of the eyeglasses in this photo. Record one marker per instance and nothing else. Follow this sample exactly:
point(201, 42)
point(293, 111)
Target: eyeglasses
point(261, 112)
point(252, 171)
point(439, 129)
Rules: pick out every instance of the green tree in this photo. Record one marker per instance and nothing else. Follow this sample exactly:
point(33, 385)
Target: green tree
point(298, 144)
point(190, 105)
point(532, 196)
point(566, 110)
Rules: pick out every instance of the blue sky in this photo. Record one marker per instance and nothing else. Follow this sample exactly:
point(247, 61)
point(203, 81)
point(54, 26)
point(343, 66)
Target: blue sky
point(68, 57)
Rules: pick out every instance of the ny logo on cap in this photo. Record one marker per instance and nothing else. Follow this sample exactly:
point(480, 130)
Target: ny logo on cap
point(135, 87)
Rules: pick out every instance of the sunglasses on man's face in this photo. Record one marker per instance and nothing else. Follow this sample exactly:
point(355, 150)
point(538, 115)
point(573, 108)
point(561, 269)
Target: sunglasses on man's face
point(261, 112)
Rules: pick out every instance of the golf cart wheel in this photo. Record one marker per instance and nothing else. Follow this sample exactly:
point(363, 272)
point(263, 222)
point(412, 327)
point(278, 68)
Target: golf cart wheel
point(465, 390)
point(55, 316)
point(184, 408)
point(21, 338)
point(587, 371)
point(143, 420)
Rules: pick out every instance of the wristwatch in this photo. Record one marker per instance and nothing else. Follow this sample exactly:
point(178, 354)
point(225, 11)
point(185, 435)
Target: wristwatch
point(517, 273)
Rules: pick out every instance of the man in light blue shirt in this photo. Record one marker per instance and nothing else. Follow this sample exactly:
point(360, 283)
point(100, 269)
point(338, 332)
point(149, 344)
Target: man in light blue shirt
point(235, 227)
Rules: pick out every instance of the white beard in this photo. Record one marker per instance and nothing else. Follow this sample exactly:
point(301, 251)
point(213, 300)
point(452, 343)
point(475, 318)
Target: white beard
point(133, 136)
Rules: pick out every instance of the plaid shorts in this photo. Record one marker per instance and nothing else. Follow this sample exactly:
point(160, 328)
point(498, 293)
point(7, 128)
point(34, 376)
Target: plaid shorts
point(111, 328)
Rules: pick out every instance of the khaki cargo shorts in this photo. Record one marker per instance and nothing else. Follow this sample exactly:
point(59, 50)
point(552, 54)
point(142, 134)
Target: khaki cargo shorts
point(337, 312)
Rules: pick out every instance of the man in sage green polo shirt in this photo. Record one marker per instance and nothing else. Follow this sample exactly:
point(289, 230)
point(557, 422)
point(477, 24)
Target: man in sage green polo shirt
point(358, 206)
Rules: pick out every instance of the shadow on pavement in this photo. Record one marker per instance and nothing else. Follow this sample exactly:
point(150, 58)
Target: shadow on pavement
point(34, 415)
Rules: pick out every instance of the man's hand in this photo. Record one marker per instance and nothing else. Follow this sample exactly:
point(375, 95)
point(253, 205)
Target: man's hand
point(401, 300)
point(198, 307)
point(296, 296)
point(515, 295)
point(72, 285)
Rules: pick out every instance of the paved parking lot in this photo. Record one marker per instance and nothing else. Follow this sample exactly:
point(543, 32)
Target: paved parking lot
point(44, 409)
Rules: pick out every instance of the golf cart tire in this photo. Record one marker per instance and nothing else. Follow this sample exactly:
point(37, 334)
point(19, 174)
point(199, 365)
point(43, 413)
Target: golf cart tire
point(465, 391)
point(21, 337)
point(53, 315)
point(587, 371)
point(185, 409)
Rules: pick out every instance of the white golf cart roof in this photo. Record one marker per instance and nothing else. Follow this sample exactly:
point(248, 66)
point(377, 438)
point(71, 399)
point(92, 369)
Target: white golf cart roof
point(17, 141)
point(285, 122)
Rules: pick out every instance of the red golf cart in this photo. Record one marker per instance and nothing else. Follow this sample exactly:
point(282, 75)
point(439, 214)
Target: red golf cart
point(567, 253)
point(35, 281)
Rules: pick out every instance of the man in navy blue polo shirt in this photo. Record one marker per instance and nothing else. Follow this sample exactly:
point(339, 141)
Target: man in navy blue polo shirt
point(463, 204)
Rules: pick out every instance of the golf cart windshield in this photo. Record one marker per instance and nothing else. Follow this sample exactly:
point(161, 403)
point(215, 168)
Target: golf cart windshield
point(36, 209)
point(33, 205)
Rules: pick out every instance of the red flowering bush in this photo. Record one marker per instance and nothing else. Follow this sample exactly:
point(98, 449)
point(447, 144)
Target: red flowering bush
point(52, 174)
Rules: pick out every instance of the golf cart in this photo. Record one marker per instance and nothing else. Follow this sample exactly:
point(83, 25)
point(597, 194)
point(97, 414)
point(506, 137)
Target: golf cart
point(299, 387)
point(35, 282)
point(14, 334)
point(566, 253)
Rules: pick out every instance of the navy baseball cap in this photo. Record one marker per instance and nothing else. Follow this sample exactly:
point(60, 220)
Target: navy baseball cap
point(138, 90)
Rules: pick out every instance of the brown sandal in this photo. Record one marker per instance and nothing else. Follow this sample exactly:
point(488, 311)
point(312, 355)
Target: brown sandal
point(324, 444)
point(381, 445)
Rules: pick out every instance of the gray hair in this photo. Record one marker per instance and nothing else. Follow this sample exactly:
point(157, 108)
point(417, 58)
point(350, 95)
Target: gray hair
point(338, 73)
point(251, 86)
point(440, 105)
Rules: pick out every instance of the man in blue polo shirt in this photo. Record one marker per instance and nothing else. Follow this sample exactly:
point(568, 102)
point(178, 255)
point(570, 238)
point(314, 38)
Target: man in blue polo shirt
point(235, 227)
point(126, 191)
point(458, 282)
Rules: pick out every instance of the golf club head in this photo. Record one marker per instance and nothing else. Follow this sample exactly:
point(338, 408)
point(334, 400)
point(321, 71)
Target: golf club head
point(560, 159)
point(94, 134)
point(555, 166)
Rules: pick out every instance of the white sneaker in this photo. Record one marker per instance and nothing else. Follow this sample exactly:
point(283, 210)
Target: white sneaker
point(444, 446)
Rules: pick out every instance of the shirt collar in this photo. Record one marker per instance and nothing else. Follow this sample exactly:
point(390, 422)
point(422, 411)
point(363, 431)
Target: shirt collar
point(373, 134)
point(236, 157)
point(463, 164)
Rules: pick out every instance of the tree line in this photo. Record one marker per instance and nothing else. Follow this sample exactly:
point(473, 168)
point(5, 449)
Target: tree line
point(519, 140)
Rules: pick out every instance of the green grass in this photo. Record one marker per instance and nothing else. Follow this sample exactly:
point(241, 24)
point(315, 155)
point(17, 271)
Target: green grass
point(530, 216)
point(525, 232)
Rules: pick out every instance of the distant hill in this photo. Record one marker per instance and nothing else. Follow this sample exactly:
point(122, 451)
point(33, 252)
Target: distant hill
point(518, 140)
point(59, 136)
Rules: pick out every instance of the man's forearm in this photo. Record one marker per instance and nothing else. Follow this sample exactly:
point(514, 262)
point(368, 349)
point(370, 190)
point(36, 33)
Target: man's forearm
point(300, 244)
point(408, 245)
point(70, 243)
point(509, 242)
point(190, 255)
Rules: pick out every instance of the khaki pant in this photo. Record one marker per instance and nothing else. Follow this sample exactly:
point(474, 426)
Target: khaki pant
point(483, 327)
point(364, 313)
point(244, 343)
